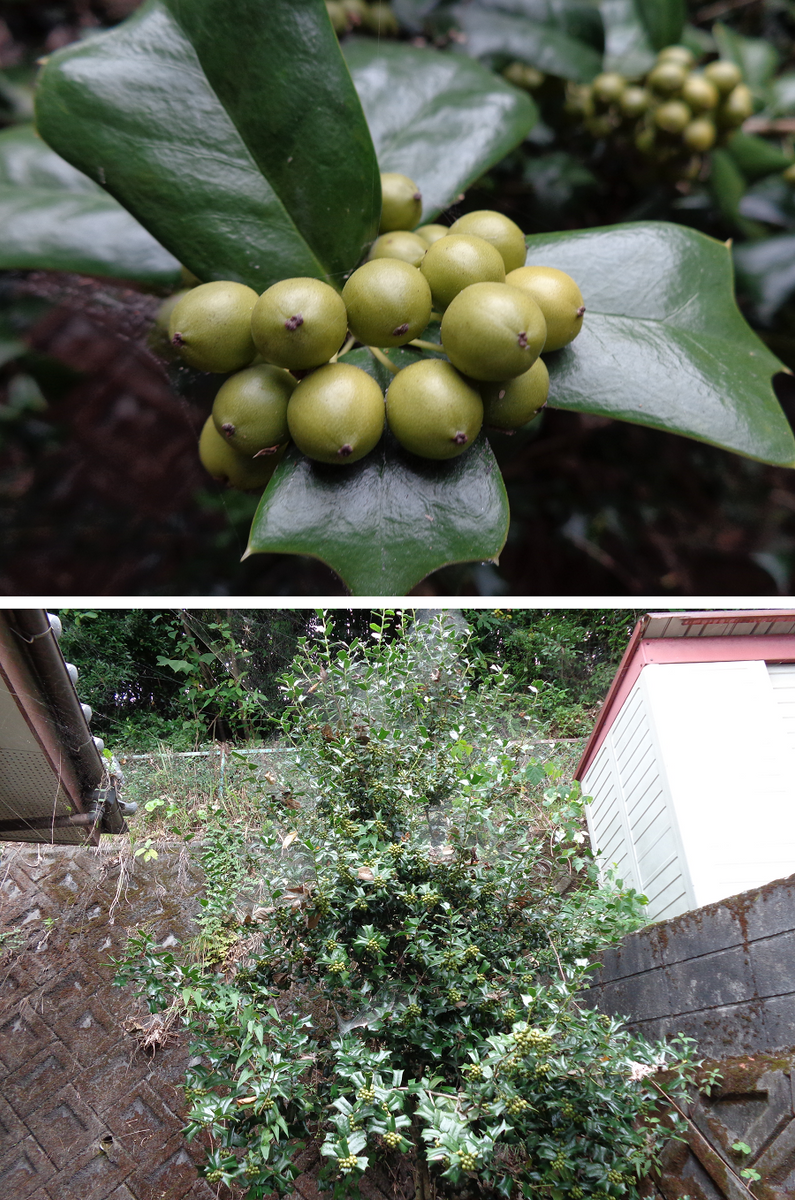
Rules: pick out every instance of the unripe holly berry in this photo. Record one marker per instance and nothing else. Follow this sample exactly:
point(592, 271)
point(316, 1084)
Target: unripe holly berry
point(503, 233)
point(211, 326)
point(699, 94)
point(608, 87)
point(724, 75)
point(523, 76)
point(511, 403)
point(634, 102)
point(250, 409)
point(559, 299)
point(432, 411)
point(380, 20)
point(431, 233)
point(700, 135)
point(401, 202)
point(667, 77)
point(388, 302)
point(401, 244)
point(228, 465)
point(299, 323)
point(458, 260)
point(677, 54)
point(336, 414)
point(672, 116)
point(492, 331)
point(737, 107)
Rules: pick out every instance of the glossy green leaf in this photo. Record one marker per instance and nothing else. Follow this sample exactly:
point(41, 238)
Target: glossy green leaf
point(663, 20)
point(727, 185)
point(756, 57)
point(578, 19)
point(488, 31)
point(628, 45)
point(766, 274)
point(756, 156)
point(438, 118)
point(780, 97)
point(233, 133)
point(663, 343)
point(386, 522)
point(55, 218)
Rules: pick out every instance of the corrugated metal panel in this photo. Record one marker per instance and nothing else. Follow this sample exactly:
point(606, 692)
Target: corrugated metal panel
point(782, 677)
point(759, 623)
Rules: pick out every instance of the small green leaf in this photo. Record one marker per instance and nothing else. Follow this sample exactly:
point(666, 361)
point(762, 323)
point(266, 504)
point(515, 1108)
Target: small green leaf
point(663, 343)
point(543, 45)
point(728, 185)
point(663, 20)
point(756, 157)
point(386, 522)
point(233, 134)
point(437, 118)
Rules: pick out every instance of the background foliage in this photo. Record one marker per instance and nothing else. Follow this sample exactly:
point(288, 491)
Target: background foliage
point(184, 677)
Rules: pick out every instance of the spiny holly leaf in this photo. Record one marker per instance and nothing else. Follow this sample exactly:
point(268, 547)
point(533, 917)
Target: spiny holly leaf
point(440, 119)
point(55, 218)
point(663, 342)
point(385, 522)
point(232, 132)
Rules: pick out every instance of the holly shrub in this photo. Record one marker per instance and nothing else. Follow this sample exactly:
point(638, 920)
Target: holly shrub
point(414, 985)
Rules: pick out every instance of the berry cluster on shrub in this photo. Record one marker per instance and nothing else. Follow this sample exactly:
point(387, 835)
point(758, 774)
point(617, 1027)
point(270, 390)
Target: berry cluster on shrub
point(283, 349)
point(673, 116)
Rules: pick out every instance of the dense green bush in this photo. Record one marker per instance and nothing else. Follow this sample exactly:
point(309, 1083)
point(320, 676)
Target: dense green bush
point(413, 985)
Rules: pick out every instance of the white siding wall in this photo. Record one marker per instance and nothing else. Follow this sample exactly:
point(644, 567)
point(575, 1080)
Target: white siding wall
point(630, 818)
point(730, 769)
point(782, 677)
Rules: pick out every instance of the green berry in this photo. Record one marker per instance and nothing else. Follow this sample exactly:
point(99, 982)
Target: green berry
point(699, 135)
point(673, 116)
point(401, 202)
point(677, 54)
point(724, 75)
point(381, 21)
point(458, 260)
point(699, 94)
point(399, 244)
point(336, 414)
point(228, 465)
point(492, 331)
point(667, 77)
point(558, 297)
point(634, 102)
point(431, 233)
point(211, 326)
point(503, 233)
point(250, 409)
point(608, 87)
point(522, 75)
point(299, 323)
point(511, 403)
point(736, 107)
point(433, 412)
point(388, 302)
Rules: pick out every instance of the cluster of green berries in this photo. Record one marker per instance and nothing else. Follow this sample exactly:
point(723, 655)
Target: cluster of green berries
point(393, 1139)
point(372, 946)
point(366, 1094)
point(430, 899)
point(377, 18)
point(532, 1039)
point(558, 1162)
point(567, 1109)
point(471, 953)
point(410, 1013)
point(215, 1175)
point(266, 1104)
point(617, 1177)
point(454, 996)
point(396, 849)
point(673, 116)
point(516, 1105)
point(474, 1072)
point(281, 349)
point(468, 1161)
point(336, 968)
point(348, 1162)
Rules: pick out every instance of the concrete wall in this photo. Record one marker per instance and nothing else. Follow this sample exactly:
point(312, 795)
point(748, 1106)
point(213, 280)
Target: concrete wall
point(724, 974)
